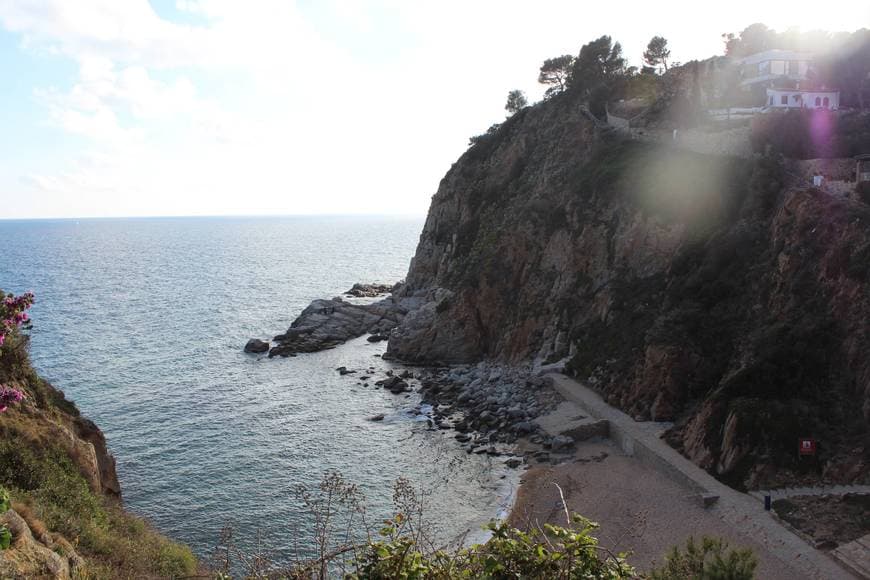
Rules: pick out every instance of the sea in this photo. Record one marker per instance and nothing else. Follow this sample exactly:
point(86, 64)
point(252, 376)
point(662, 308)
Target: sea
point(142, 323)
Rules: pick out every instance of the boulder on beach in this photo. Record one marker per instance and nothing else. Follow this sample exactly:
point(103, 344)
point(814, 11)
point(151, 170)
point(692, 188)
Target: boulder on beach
point(395, 385)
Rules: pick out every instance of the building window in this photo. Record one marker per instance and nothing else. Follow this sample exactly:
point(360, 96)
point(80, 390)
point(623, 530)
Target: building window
point(818, 102)
point(826, 102)
point(783, 100)
point(793, 67)
point(771, 101)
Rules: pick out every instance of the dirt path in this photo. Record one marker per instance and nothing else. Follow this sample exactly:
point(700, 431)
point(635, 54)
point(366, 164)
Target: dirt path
point(648, 496)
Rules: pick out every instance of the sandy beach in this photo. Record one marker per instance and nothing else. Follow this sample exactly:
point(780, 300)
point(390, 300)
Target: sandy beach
point(639, 510)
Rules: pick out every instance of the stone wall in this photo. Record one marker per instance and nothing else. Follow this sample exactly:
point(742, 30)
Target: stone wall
point(733, 142)
point(618, 122)
point(839, 169)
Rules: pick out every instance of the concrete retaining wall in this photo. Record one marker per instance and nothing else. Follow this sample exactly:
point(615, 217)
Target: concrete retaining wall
point(734, 142)
point(839, 169)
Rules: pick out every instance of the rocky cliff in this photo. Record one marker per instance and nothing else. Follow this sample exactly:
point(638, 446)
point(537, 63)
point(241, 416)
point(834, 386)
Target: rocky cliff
point(704, 290)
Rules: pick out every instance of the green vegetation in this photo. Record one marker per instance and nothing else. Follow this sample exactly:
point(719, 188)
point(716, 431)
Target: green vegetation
point(709, 560)
point(402, 548)
point(556, 72)
point(657, 52)
point(50, 493)
point(477, 139)
point(546, 553)
point(516, 100)
point(5, 534)
point(596, 71)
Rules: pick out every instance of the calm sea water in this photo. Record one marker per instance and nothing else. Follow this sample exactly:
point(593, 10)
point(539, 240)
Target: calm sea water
point(142, 322)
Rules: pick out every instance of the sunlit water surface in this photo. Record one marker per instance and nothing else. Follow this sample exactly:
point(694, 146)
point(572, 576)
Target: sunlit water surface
point(142, 322)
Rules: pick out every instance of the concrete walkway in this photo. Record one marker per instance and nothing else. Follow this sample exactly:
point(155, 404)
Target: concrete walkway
point(856, 556)
point(642, 440)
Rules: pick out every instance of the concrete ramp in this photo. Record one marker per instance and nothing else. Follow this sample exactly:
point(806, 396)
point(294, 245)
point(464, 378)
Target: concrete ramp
point(855, 556)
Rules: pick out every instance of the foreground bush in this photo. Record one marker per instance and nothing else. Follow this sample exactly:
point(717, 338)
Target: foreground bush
point(403, 549)
point(709, 560)
point(551, 552)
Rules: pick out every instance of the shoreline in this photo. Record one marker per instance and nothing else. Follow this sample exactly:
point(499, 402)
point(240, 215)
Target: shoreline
point(408, 401)
point(519, 412)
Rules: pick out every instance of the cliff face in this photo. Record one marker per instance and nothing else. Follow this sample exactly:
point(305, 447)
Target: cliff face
point(697, 289)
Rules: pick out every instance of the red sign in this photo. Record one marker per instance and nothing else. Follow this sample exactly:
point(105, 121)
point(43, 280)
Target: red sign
point(807, 446)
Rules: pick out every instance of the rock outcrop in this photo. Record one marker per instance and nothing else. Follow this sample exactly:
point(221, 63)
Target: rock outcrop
point(328, 323)
point(48, 556)
point(255, 345)
point(100, 470)
point(369, 290)
point(685, 287)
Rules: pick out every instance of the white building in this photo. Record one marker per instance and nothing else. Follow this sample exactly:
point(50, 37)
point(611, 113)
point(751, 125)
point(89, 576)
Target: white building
point(803, 99)
point(775, 66)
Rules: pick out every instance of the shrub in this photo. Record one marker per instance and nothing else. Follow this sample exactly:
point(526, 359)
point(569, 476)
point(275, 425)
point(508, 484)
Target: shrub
point(543, 553)
point(12, 313)
point(475, 139)
point(9, 396)
point(4, 500)
point(404, 549)
point(711, 560)
point(5, 534)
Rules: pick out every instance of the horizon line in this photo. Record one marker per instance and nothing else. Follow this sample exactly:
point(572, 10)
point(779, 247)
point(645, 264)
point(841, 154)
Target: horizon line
point(212, 216)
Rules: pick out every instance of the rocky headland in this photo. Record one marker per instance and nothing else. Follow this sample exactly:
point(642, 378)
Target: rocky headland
point(327, 323)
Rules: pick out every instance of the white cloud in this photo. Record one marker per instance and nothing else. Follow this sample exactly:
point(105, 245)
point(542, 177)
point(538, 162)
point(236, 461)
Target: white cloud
point(253, 109)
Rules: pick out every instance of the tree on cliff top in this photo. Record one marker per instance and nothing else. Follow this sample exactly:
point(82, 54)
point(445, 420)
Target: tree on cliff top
point(599, 62)
point(657, 52)
point(754, 38)
point(556, 73)
point(596, 71)
point(516, 100)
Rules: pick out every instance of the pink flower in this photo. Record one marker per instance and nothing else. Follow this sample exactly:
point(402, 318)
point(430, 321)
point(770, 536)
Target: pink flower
point(9, 396)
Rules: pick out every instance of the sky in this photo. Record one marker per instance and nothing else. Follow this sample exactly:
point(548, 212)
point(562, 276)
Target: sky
point(278, 107)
